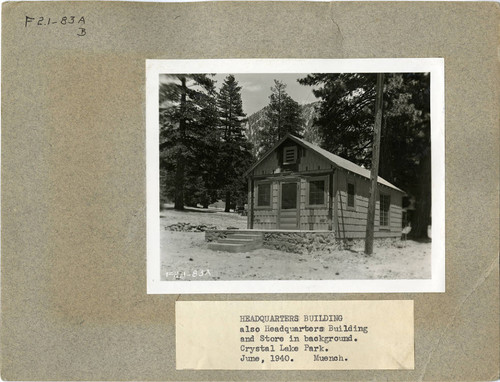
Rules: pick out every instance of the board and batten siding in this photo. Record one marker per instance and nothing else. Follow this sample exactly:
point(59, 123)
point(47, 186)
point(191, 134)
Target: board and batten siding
point(352, 220)
point(308, 161)
point(266, 217)
point(309, 218)
point(312, 218)
point(267, 166)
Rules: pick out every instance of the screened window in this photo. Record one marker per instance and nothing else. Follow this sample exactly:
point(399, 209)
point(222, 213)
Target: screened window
point(316, 192)
point(385, 202)
point(264, 195)
point(290, 155)
point(350, 194)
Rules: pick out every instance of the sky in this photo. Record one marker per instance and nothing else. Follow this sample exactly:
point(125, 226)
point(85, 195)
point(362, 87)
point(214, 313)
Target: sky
point(256, 88)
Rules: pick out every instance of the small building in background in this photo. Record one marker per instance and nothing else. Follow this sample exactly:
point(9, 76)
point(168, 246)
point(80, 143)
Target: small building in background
point(299, 186)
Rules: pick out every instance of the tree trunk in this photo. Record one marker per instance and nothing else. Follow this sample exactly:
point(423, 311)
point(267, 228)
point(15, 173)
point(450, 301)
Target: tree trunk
point(422, 217)
point(228, 201)
point(385, 164)
point(370, 219)
point(179, 184)
point(179, 171)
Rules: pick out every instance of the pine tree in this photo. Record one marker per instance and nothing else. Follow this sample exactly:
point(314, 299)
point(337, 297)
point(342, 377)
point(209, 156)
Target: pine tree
point(345, 113)
point(345, 123)
point(184, 126)
point(231, 112)
point(203, 170)
point(235, 151)
point(283, 116)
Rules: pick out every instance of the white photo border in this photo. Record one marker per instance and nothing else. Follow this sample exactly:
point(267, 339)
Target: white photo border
point(435, 66)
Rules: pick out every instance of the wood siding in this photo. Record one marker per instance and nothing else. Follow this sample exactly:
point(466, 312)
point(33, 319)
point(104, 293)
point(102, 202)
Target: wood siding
point(313, 162)
point(250, 204)
point(308, 161)
point(312, 218)
point(350, 222)
point(266, 217)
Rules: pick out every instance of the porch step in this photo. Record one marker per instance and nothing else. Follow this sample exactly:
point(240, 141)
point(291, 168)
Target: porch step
point(238, 242)
point(232, 240)
point(244, 237)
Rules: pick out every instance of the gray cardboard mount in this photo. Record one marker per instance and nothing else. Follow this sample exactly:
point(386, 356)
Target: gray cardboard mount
point(74, 302)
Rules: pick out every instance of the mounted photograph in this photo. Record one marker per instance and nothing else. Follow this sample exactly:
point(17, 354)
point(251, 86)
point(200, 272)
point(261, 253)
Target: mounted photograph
point(268, 176)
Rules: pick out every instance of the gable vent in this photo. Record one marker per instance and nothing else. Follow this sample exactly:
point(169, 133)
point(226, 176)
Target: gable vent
point(289, 155)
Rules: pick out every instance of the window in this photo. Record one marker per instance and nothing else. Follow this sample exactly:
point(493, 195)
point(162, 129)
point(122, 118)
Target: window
point(350, 194)
point(264, 195)
point(290, 155)
point(385, 202)
point(317, 192)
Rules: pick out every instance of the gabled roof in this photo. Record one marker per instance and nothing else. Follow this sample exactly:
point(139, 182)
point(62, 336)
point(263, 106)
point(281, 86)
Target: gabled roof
point(332, 158)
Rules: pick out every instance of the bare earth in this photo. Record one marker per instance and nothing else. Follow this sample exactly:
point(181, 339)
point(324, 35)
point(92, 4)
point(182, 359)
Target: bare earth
point(185, 256)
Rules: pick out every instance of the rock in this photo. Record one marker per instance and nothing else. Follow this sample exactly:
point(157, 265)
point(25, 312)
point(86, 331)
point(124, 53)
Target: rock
point(188, 227)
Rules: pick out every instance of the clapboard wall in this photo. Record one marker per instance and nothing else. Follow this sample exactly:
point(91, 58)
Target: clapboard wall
point(352, 220)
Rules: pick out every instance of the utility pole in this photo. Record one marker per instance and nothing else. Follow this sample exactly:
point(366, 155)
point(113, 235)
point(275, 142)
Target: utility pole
point(370, 223)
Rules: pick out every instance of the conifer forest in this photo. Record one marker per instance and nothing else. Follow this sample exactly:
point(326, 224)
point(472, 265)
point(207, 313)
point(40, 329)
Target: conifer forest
point(207, 141)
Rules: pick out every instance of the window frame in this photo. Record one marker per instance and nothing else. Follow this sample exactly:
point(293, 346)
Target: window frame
point(256, 196)
point(325, 192)
point(295, 153)
point(388, 211)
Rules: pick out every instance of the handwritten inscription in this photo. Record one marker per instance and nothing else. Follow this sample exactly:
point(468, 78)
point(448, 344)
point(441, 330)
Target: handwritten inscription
point(43, 21)
point(177, 275)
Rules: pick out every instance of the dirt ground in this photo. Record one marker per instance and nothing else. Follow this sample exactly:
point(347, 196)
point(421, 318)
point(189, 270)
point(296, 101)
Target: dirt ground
point(185, 256)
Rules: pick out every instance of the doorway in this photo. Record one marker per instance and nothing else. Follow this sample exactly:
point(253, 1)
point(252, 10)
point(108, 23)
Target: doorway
point(289, 205)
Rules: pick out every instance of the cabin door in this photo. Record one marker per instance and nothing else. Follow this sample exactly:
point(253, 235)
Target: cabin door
point(289, 207)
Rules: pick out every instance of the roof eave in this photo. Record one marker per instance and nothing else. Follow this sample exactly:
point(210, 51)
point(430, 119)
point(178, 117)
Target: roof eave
point(299, 142)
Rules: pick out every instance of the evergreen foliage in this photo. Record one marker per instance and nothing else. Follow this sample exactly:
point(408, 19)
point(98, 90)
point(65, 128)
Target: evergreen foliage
point(188, 136)
point(283, 116)
point(345, 122)
point(235, 150)
point(203, 148)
